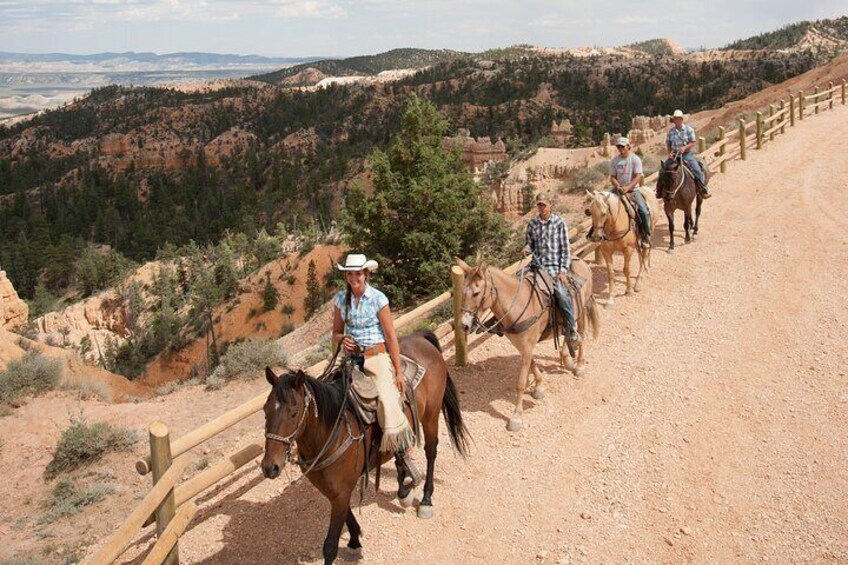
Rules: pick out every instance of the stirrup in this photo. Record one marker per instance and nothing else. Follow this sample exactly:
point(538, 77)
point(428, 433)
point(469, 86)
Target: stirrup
point(645, 243)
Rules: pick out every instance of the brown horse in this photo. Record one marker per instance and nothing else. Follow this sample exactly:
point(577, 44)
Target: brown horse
point(524, 317)
point(613, 229)
point(677, 187)
point(331, 444)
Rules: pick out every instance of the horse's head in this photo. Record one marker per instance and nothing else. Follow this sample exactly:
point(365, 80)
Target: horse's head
point(598, 208)
point(476, 294)
point(286, 412)
point(667, 176)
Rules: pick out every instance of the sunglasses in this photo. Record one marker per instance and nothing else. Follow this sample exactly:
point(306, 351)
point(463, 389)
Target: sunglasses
point(541, 204)
point(621, 146)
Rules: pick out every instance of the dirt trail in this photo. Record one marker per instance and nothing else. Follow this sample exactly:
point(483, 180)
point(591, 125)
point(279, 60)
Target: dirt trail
point(710, 428)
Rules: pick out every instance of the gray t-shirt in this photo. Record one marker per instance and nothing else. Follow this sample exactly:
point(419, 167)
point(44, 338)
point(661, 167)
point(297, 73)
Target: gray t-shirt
point(625, 168)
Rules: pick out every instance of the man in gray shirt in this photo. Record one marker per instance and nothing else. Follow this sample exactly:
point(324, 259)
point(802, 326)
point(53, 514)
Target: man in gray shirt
point(626, 174)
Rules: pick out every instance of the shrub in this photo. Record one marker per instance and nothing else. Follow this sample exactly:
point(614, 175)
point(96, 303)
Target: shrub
point(288, 309)
point(291, 280)
point(31, 374)
point(287, 328)
point(270, 296)
point(81, 443)
point(587, 179)
point(247, 358)
point(69, 498)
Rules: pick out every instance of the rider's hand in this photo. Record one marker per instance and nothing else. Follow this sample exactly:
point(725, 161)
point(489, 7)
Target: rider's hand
point(400, 382)
point(348, 343)
point(525, 251)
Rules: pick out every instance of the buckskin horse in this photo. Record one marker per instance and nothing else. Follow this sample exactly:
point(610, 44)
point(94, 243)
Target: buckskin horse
point(332, 445)
point(677, 187)
point(523, 314)
point(614, 230)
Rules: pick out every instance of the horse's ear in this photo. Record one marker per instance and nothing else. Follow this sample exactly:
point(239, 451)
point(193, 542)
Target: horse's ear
point(299, 379)
point(590, 193)
point(271, 376)
point(482, 267)
point(462, 265)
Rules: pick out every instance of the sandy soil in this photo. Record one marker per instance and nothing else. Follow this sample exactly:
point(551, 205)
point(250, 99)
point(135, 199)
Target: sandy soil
point(710, 427)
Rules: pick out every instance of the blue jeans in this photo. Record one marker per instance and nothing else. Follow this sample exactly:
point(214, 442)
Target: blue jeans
point(690, 160)
point(563, 298)
point(642, 209)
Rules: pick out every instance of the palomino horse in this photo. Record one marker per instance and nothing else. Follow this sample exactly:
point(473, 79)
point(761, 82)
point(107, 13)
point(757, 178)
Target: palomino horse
point(677, 187)
point(613, 228)
point(525, 319)
point(331, 445)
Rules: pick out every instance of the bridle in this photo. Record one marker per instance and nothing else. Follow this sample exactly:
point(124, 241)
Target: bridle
point(665, 172)
point(489, 286)
point(493, 322)
point(289, 440)
point(614, 236)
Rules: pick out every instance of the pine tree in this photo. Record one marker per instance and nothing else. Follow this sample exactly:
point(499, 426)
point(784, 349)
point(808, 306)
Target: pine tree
point(313, 291)
point(270, 296)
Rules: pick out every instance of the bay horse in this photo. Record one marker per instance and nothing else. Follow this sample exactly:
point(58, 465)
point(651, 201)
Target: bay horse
point(677, 187)
point(614, 230)
point(516, 303)
point(331, 444)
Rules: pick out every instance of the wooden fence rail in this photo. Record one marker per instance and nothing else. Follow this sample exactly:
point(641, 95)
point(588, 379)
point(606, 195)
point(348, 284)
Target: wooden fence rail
point(173, 505)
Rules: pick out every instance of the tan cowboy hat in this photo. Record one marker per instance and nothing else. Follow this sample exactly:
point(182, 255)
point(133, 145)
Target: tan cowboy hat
point(358, 262)
point(677, 114)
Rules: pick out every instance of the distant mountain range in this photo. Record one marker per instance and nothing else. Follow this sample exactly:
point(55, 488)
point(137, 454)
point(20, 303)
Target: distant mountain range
point(143, 61)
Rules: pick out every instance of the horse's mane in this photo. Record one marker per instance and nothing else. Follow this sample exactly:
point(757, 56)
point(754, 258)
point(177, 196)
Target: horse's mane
point(328, 394)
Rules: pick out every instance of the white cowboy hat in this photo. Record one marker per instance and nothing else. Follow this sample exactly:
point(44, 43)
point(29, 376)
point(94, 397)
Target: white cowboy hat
point(358, 262)
point(677, 114)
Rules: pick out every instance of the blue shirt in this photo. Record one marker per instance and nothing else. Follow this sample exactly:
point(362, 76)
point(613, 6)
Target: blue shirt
point(363, 323)
point(677, 138)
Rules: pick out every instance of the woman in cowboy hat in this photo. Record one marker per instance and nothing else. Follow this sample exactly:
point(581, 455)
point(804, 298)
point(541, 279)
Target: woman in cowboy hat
point(363, 323)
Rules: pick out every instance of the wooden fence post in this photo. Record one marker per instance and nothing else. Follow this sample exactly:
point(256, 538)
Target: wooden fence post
point(816, 98)
point(800, 104)
point(759, 130)
point(782, 120)
point(160, 458)
point(460, 341)
point(723, 166)
point(830, 95)
point(742, 135)
point(702, 145)
point(771, 122)
point(843, 92)
point(791, 111)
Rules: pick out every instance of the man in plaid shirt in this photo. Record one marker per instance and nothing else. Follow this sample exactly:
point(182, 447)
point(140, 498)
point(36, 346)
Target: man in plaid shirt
point(547, 240)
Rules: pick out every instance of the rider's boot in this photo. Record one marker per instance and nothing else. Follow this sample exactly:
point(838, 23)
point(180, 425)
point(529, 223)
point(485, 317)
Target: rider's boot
point(413, 474)
point(646, 242)
point(704, 192)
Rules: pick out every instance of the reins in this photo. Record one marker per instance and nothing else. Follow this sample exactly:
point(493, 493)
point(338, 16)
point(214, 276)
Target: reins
point(614, 236)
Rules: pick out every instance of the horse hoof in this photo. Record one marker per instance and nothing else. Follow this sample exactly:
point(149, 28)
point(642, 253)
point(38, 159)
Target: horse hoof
point(608, 305)
point(638, 287)
point(425, 512)
point(579, 372)
point(408, 500)
point(687, 241)
point(513, 425)
point(351, 554)
point(538, 393)
point(671, 250)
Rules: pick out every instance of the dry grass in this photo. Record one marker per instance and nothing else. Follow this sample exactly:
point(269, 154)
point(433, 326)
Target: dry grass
point(32, 374)
point(82, 443)
point(69, 497)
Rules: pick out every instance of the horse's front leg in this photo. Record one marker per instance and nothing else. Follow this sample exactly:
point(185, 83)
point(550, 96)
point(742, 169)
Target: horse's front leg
point(687, 224)
point(515, 422)
point(670, 215)
point(578, 363)
point(338, 515)
point(354, 530)
point(607, 253)
point(628, 253)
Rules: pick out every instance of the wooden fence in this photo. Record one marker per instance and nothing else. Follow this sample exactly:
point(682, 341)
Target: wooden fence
point(171, 505)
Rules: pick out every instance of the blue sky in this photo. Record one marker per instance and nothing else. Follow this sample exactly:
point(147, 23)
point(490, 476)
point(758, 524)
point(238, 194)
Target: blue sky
point(351, 27)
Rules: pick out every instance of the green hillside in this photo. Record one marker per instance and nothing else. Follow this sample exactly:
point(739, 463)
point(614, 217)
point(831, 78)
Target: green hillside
point(788, 36)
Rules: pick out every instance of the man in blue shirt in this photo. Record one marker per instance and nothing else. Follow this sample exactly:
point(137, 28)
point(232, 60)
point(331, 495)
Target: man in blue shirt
point(681, 139)
point(547, 240)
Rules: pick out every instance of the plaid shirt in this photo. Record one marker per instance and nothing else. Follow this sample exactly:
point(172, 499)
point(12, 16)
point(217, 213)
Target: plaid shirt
point(548, 241)
point(677, 138)
point(363, 324)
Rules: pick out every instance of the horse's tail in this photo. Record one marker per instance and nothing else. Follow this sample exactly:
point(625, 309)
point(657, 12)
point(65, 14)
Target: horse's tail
point(453, 417)
point(593, 316)
point(431, 337)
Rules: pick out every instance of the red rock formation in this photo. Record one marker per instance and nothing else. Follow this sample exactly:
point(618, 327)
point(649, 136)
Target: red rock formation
point(228, 144)
point(13, 311)
point(476, 153)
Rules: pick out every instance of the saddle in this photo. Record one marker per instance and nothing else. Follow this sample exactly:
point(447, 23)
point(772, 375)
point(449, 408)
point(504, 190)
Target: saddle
point(630, 205)
point(570, 280)
point(363, 393)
